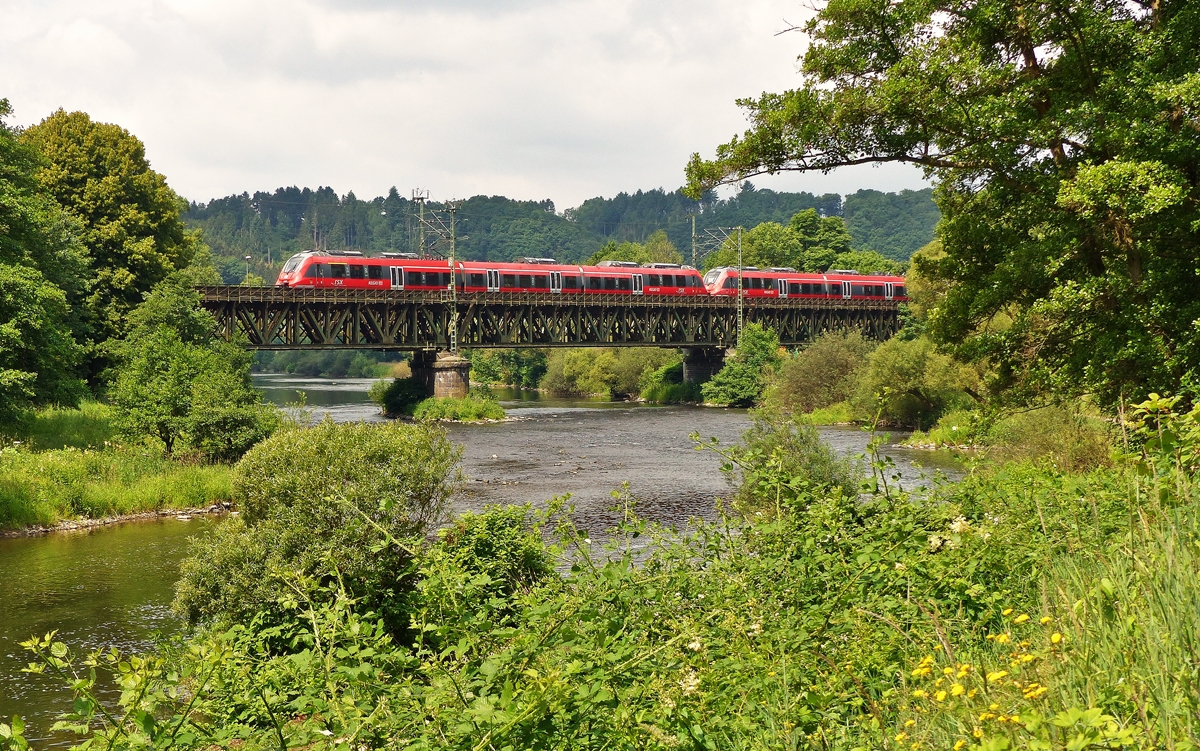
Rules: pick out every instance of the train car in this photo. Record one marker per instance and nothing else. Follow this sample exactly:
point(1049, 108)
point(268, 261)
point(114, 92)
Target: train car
point(781, 283)
point(352, 270)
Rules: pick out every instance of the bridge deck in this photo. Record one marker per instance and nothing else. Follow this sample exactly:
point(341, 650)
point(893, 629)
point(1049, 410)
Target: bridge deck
point(275, 318)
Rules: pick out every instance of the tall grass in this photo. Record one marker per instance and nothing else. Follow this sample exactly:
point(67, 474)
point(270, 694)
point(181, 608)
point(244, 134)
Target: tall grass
point(468, 409)
point(89, 426)
point(50, 486)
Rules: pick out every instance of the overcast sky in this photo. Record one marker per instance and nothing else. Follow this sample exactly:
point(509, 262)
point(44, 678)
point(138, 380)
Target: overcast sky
point(530, 99)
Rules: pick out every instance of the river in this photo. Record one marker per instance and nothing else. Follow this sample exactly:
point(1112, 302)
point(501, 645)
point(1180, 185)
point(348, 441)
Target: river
point(113, 585)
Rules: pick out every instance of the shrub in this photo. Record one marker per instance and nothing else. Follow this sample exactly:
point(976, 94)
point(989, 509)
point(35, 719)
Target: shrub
point(337, 499)
point(741, 382)
point(822, 374)
point(399, 396)
point(522, 368)
point(1071, 441)
point(909, 384)
point(471, 408)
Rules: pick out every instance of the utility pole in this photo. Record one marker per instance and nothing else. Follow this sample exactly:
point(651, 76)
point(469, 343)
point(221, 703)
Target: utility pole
point(452, 207)
point(420, 196)
point(740, 294)
point(694, 242)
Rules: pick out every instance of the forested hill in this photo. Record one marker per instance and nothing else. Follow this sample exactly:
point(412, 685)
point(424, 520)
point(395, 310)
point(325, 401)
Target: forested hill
point(271, 226)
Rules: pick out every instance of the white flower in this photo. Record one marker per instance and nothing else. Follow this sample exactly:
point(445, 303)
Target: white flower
point(755, 630)
point(690, 683)
point(960, 526)
point(695, 645)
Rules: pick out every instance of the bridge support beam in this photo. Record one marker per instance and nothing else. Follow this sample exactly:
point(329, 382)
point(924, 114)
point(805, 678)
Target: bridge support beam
point(702, 363)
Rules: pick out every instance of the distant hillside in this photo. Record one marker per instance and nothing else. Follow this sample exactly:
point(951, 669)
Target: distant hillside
point(269, 227)
point(895, 224)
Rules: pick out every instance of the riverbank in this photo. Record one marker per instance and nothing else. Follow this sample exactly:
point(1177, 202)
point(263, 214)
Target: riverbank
point(84, 525)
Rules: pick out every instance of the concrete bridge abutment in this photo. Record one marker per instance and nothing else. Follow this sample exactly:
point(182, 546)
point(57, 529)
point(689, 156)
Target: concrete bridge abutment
point(442, 373)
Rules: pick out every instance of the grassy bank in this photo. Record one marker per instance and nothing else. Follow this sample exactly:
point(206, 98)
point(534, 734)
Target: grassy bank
point(66, 465)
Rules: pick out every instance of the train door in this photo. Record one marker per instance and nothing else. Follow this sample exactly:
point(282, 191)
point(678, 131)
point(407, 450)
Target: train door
point(637, 284)
point(556, 281)
point(493, 280)
point(845, 290)
point(397, 277)
point(781, 285)
point(889, 290)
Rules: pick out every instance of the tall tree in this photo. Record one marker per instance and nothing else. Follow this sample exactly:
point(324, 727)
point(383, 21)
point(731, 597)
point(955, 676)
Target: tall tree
point(42, 267)
point(130, 218)
point(1064, 139)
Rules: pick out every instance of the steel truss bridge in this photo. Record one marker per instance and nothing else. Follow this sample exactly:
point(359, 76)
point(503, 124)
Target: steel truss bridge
point(271, 318)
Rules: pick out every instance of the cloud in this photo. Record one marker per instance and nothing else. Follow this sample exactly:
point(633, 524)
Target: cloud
point(527, 98)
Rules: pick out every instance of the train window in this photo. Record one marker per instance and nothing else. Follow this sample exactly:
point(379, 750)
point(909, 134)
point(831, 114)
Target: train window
point(338, 270)
point(695, 282)
point(899, 290)
point(524, 281)
point(570, 282)
point(541, 282)
point(508, 280)
point(879, 290)
point(291, 265)
point(756, 282)
point(414, 278)
point(315, 271)
point(652, 280)
point(623, 284)
point(610, 282)
point(357, 271)
point(374, 272)
point(477, 280)
point(794, 288)
point(446, 279)
point(595, 282)
point(730, 283)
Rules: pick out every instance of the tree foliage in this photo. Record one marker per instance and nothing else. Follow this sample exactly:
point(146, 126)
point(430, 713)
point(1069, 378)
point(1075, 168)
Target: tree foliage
point(131, 220)
point(745, 375)
point(1064, 139)
point(181, 386)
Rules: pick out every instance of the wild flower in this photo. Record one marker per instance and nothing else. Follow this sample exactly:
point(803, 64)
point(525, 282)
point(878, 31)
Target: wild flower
point(689, 683)
point(960, 526)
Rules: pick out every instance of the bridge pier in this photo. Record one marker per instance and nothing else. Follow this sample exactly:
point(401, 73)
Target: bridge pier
point(442, 373)
point(702, 363)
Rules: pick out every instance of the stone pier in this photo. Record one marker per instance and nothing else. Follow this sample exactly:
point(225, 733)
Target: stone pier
point(701, 363)
point(442, 373)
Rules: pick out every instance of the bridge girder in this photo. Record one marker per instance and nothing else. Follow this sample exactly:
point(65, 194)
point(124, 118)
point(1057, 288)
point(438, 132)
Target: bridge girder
point(271, 318)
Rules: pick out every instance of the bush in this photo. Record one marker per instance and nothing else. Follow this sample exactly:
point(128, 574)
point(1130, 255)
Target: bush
point(791, 447)
point(742, 381)
point(522, 368)
point(909, 384)
point(328, 500)
point(822, 374)
point(399, 396)
point(616, 371)
point(1070, 441)
point(471, 408)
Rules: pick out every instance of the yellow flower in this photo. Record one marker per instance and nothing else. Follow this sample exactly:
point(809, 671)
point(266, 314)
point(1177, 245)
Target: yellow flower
point(957, 689)
point(977, 732)
point(909, 723)
point(939, 696)
point(920, 693)
point(959, 744)
point(1055, 638)
point(985, 716)
point(971, 693)
point(1015, 718)
point(901, 736)
point(996, 675)
point(1045, 619)
point(947, 671)
point(1003, 638)
point(993, 707)
point(1021, 618)
point(1006, 611)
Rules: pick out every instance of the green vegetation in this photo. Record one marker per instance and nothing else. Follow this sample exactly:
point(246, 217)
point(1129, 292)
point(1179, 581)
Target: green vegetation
point(522, 368)
point(88, 427)
point(399, 396)
point(656, 249)
point(1025, 608)
point(745, 375)
point(46, 487)
point(471, 408)
point(665, 386)
point(619, 371)
point(894, 224)
point(327, 363)
point(325, 500)
point(1063, 142)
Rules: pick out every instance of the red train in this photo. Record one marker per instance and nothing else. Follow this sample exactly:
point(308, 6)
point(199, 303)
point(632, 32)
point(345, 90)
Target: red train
point(352, 270)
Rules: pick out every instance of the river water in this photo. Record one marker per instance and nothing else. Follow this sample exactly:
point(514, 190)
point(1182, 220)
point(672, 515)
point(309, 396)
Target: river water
point(113, 585)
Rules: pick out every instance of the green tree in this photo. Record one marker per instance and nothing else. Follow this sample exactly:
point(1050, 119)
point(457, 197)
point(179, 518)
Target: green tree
point(809, 242)
point(131, 223)
point(177, 383)
point(867, 262)
point(1064, 139)
point(742, 381)
point(910, 384)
